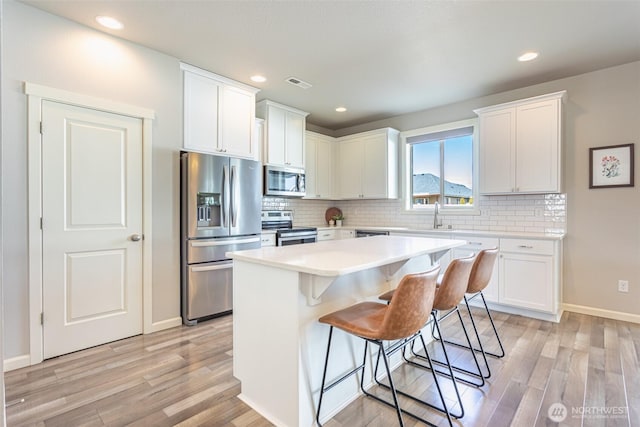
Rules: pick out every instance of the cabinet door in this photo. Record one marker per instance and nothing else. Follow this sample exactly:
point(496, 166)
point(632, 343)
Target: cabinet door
point(311, 171)
point(237, 122)
point(276, 125)
point(324, 169)
point(537, 147)
point(200, 113)
point(374, 167)
point(526, 281)
point(350, 155)
point(318, 167)
point(294, 139)
point(497, 151)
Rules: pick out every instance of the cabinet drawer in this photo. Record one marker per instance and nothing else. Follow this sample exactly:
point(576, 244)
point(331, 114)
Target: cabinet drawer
point(477, 243)
point(268, 239)
point(326, 235)
point(527, 246)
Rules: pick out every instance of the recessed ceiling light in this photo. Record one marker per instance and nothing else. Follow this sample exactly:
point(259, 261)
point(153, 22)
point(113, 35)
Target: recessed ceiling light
point(109, 22)
point(341, 109)
point(258, 78)
point(528, 56)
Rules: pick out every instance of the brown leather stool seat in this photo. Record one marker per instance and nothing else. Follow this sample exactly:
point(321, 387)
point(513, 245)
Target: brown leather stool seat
point(399, 321)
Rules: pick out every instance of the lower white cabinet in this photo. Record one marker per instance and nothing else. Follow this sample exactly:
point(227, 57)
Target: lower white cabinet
point(326, 235)
point(527, 277)
point(529, 274)
point(267, 239)
point(346, 234)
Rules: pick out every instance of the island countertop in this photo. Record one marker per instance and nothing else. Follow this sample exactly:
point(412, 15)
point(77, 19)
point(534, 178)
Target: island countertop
point(340, 257)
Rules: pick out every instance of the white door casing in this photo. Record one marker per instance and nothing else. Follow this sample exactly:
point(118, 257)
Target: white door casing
point(92, 227)
point(36, 94)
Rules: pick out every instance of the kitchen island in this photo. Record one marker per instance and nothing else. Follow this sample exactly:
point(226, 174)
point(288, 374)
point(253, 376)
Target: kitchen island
point(280, 292)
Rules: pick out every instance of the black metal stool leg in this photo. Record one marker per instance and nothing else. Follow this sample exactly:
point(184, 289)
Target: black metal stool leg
point(324, 376)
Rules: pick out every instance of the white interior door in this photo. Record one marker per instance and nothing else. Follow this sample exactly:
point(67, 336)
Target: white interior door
point(92, 224)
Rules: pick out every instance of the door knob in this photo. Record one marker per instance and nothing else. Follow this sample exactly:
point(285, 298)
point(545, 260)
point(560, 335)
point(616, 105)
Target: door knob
point(136, 237)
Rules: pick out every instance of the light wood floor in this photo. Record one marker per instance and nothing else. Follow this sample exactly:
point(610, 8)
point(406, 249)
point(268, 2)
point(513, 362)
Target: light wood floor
point(183, 376)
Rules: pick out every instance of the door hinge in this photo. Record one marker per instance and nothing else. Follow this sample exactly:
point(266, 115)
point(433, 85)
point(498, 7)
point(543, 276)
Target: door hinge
point(40, 223)
point(42, 318)
point(40, 127)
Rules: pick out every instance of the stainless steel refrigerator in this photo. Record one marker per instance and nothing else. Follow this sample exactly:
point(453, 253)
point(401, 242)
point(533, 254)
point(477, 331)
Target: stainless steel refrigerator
point(221, 201)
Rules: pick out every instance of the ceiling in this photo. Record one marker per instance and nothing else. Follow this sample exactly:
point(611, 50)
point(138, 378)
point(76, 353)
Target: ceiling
point(376, 58)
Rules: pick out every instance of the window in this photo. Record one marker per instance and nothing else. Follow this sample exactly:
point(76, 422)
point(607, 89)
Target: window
point(440, 166)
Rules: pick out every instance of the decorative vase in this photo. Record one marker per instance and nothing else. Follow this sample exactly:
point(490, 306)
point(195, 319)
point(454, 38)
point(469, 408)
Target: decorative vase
point(331, 223)
point(338, 222)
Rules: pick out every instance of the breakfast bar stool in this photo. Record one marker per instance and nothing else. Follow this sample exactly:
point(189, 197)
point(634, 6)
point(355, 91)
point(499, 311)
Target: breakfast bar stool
point(478, 281)
point(447, 297)
point(399, 322)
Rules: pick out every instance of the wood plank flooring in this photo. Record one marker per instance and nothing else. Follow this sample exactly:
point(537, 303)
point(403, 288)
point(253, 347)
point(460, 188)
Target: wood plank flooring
point(183, 377)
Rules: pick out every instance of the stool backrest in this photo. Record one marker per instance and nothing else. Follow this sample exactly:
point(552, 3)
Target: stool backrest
point(410, 307)
point(454, 283)
point(482, 270)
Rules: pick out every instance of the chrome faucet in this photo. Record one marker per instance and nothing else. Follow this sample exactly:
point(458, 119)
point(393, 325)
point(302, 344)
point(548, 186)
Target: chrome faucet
point(436, 210)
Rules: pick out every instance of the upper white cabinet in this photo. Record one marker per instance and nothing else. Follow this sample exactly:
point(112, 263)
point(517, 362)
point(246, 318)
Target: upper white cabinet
point(284, 134)
point(520, 146)
point(319, 154)
point(367, 165)
point(219, 114)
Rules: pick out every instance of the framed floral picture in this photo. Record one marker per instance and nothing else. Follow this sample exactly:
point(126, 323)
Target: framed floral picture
point(611, 166)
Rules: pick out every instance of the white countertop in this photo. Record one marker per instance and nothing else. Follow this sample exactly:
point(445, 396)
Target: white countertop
point(453, 232)
point(340, 257)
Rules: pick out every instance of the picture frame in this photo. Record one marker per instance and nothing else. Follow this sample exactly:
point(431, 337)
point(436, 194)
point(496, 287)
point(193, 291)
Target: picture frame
point(611, 166)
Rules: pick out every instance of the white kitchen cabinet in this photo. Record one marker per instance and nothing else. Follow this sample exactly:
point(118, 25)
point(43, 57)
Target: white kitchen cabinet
point(284, 134)
point(267, 239)
point(346, 234)
point(520, 146)
point(367, 165)
point(530, 274)
point(319, 165)
point(324, 234)
point(219, 114)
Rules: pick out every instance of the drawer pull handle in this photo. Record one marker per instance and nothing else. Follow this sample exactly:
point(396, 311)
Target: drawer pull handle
point(475, 243)
point(525, 246)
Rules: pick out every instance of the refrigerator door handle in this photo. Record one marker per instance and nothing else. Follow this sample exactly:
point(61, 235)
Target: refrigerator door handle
point(225, 196)
point(234, 197)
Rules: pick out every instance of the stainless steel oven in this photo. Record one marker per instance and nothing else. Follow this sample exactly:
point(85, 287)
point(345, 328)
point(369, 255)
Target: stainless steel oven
point(286, 233)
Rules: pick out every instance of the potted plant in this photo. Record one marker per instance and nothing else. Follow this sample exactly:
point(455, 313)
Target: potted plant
point(338, 219)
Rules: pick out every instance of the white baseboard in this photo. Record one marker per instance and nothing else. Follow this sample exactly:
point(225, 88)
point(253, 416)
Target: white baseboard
point(17, 362)
point(164, 324)
point(608, 314)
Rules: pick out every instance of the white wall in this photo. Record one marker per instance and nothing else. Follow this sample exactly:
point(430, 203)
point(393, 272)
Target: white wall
point(51, 51)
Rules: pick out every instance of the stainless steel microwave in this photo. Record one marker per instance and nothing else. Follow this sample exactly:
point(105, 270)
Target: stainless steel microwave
point(284, 181)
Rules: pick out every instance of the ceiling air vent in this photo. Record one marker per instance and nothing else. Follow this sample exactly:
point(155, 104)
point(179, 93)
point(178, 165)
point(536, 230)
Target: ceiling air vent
point(300, 83)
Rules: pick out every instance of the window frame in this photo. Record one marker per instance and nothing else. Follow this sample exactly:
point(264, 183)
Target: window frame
point(406, 169)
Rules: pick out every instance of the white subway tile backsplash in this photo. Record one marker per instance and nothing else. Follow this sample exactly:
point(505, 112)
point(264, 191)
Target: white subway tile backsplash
point(523, 213)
